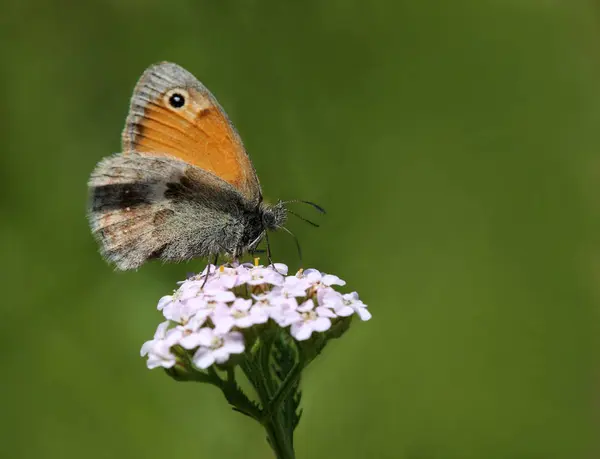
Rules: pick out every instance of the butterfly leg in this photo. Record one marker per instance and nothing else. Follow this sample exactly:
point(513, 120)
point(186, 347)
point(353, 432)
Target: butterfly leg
point(271, 264)
point(268, 249)
point(208, 270)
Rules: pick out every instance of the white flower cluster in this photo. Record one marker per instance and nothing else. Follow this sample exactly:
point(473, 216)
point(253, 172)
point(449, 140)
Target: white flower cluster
point(207, 318)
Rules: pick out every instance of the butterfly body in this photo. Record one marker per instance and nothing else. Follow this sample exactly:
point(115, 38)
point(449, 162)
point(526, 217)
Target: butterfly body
point(183, 187)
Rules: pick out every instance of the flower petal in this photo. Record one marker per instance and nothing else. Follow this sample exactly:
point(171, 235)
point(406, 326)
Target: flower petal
point(172, 337)
point(321, 324)
point(330, 279)
point(243, 322)
point(161, 330)
point(203, 358)
point(280, 268)
point(327, 296)
point(205, 336)
point(155, 361)
point(147, 347)
point(223, 323)
point(363, 313)
point(326, 312)
point(197, 320)
point(344, 311)
point(259, 315)
point(312, 275)
point(234, 343)
point(301, 331)
point(242, 304)
point(197, 302)
point(191, 341)
point(221, 355)
point(164, 301)
point(308, 305)
point(224, 296)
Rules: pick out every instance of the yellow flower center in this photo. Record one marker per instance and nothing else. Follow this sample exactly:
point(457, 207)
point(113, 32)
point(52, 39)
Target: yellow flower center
point(310, 315)
point(239, 314)
point(216, 342)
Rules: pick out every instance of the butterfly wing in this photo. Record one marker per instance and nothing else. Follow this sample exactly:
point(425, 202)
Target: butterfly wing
point(144, 207)
point(173, 114)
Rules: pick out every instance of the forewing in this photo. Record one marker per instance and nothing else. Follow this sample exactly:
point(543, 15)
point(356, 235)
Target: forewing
point(198, 132)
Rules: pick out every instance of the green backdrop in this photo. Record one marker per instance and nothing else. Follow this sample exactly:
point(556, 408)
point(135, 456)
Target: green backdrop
point(454, 144)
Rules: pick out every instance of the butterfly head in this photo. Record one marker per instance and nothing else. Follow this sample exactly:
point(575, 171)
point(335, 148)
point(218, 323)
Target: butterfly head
point(273, 215)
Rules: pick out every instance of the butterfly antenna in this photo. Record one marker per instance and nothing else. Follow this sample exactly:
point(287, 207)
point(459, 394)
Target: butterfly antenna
point(312, 204)
point(303, 219)
point(297, 242)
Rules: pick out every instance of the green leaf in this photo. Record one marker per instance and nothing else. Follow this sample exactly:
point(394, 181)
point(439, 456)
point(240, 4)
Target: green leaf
point(239, 401)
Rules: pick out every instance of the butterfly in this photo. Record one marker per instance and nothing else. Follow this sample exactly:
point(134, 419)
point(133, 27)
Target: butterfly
point(183, 186)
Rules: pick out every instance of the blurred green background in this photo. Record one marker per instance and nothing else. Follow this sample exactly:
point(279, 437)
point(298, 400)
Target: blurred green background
point(454, 144)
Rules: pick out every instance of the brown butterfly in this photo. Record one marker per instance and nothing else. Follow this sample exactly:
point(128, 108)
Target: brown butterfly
point(184, 186)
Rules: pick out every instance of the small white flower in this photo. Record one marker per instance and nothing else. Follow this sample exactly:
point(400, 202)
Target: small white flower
point(189, 289)
point(294, 286)
point(240, 314)
point(159, 334)
point(311, 320)
point(181, 312)
point(282, 301)
point(165, 301)
point(210, 300)
point(242, 273)
point(160, 356)
point(215, 347)
point(191, 298)
point(171, 306)
point(189, 329)
point(260, 275)
point(227, 277)
point(334, 300)
point(285, 315)
point(279, 268)
point(217, 275)
point(158, 349)
point(360, 308)
point(196, 286)
point(263, 302)
point(285, 297)
point(315, 277)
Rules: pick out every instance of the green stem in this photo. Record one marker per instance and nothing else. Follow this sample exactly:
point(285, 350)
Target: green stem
point(277, 435)
point(278, 439)
point(272, 408)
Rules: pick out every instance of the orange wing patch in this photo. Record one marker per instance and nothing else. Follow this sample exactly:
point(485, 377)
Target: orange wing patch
point(172, 114)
